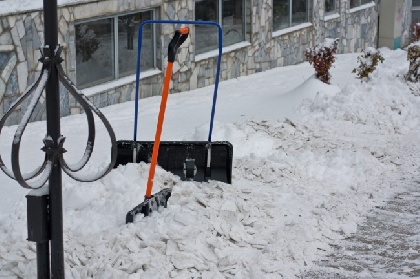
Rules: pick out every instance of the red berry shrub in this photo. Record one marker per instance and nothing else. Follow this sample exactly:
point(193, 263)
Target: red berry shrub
point(322, 58)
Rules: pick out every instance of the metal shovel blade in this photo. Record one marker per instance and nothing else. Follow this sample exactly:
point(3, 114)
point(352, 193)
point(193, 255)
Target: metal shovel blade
point(150, 204)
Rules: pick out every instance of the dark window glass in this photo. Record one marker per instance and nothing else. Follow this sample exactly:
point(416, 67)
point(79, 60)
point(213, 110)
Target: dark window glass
point(299, 12)
point(416, 3)
point(330, 6)
point(288, 13)
point(94, 52)
point(97, 43)
point(415, 16)
point(206, 36)
point(281, 14)
point(232, 22)
point(354, 3)
point(366, 1)
point(128, 27)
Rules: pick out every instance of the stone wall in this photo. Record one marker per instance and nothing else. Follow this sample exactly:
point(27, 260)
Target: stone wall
point(356, 28)
point(21, 36)
point(20, 39)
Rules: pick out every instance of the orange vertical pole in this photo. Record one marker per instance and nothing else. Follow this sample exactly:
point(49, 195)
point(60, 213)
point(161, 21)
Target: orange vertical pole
point(159, 129)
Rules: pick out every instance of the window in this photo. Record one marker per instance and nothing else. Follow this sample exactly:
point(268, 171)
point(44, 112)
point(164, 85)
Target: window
point(330, 6)
point(415, 11)
point(356, 3)
point(287, 13)
point(106, 49)
point(228, 13)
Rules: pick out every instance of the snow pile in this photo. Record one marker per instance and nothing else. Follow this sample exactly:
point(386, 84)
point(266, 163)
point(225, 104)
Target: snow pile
point(297, 184)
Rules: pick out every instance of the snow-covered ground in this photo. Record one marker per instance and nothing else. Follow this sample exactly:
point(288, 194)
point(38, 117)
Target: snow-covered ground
point(310, 160)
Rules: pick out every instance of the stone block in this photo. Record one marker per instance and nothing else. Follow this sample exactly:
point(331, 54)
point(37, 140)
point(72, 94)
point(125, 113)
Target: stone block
point(96, 100)
point(63, 27)
point(64, 101)
point(183, 14)
point(170, 11)
point(39, 25)
point(193, 79)
point(210, 73)
point(22, 70)
point(183, 77)
point(224, 75)
point(201, 70)
point(81, 12)
point(114, 98)
point(235, 70)
point(6, 39)
point(16, 41)
point(10, 66)
point(5, 23)
point(12, 87)
point(4, 58)
point(201, 82)
point(13, 119)
point(65, 13)
point(11, 21)
point(2, 89)
point(184, 86)
point(176, 67)
point(104, 98)
point(157, 88)
point(74, 111)
point(72, 101)
point(6, 103)
point(126, 95)
point(20, 28)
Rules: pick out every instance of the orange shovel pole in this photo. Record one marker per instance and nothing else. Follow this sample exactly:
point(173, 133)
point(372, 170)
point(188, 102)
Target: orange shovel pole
point(179, 37)
point(159, 129)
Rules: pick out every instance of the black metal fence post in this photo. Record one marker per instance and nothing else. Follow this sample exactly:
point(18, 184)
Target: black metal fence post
point(42, 259)
point(45, 210)
point(53, 130)
point(39, 231)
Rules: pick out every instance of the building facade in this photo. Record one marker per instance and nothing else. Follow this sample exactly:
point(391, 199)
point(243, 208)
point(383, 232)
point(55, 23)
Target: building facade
point(99, 40)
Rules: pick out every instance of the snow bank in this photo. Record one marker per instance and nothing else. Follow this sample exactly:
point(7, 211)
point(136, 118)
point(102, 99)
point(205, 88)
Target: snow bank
point(297, 184)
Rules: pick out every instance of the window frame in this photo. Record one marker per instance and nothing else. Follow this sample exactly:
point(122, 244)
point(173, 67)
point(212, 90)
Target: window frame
point(290, 15)
point(116, 41)
point(414, 9)
point(220, 22)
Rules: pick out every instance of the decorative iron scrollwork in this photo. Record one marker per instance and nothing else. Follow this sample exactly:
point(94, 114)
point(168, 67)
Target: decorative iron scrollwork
point(54, 150)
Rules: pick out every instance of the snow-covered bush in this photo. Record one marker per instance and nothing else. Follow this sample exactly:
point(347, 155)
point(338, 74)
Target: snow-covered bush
point(413, 56)
point(368, 61)
point(415, 32)
point(322, 58)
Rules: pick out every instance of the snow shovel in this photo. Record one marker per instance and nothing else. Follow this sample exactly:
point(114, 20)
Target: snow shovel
point(191, 160)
